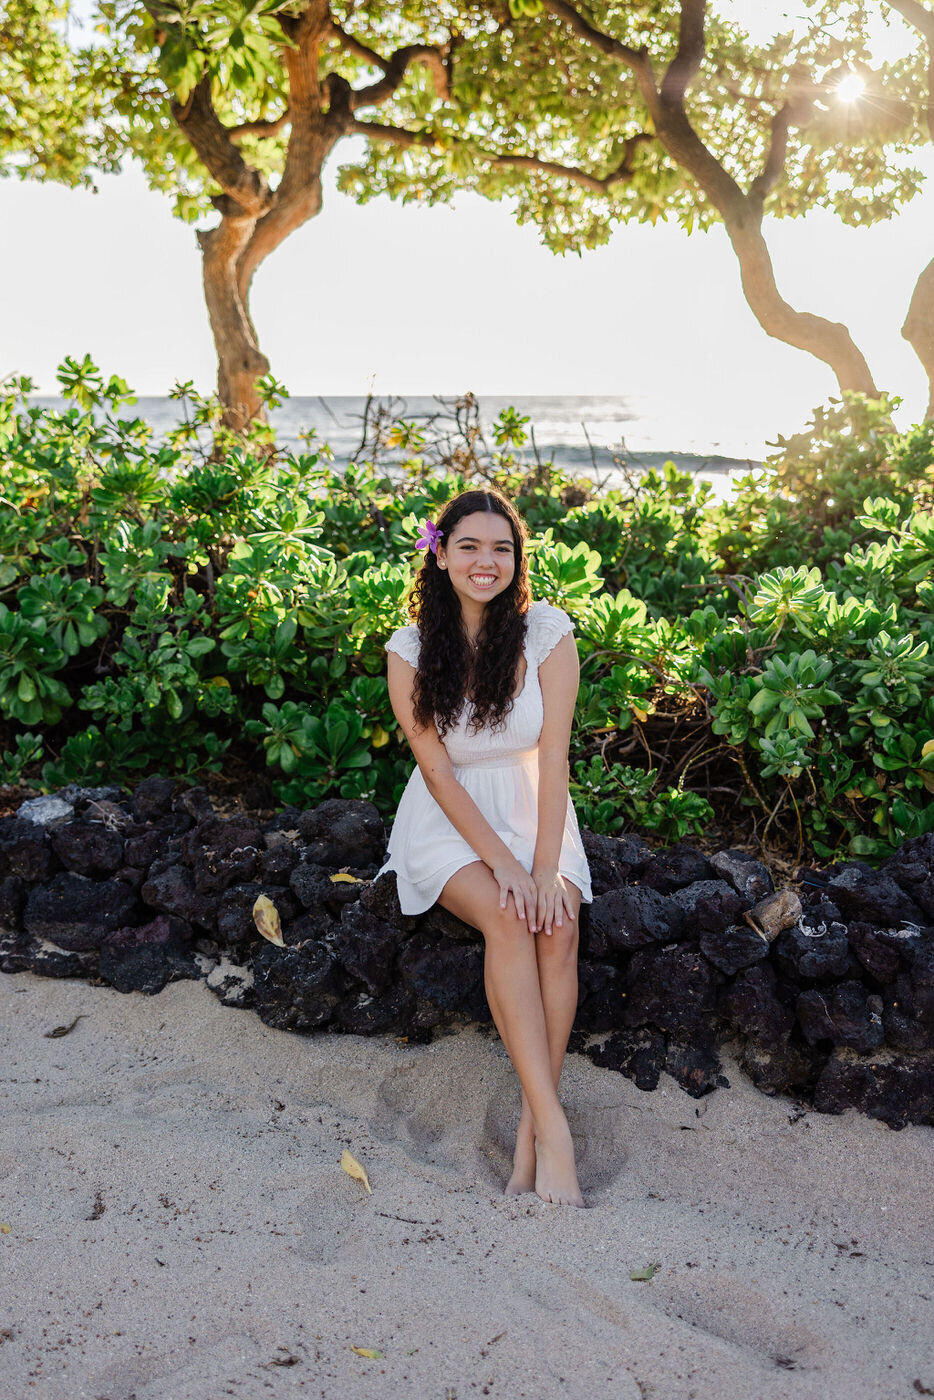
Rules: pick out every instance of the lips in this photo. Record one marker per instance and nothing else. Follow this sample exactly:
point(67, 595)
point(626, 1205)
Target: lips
point(482, 580)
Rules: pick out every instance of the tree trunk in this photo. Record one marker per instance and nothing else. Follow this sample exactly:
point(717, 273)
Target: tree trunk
point(742, 213)
point(829, 341)
point(240, 362)
point(918, 329)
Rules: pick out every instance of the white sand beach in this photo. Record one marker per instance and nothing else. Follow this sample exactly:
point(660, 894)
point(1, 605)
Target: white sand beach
point(180, 1227)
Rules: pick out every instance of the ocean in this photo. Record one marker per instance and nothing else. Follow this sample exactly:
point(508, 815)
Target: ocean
point(584, 434)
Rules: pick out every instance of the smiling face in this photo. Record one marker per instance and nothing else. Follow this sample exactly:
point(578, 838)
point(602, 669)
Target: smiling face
point(480, 557)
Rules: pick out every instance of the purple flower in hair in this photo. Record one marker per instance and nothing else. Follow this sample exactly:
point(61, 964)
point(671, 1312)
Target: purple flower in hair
point(429, 537)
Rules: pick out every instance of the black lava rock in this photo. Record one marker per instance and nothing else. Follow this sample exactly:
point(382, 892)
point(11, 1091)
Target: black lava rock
point(315, 926)
point(912, 869)
point(695, 1065)
point(25, 850)
point(362, 1014)
point(381, 899)
point(16, 950)
point(748, 876)
point(152, 799)
point(143, 848)
point(752, 1004)
point(639, 1054)
point(315, 886)
point(791, 1067)
point(448, 975)
point(146, 958)
point(193, 803)
point(734, 948)
point(172, 891)
point(872, 895)
point(821, 951)
point(898, 1090)
point(295, 989)
point(12, 899)
point(633, 917)
point(601, 996)
point(275, 866)
point(878, 950)
point(235, 923)
point(709, 906)
point(87, 847)
point(843, 1015)
point(671, 988)
point(343, 832)
point(366, 948)
point(613, 861)
point(222, 852)
point(448, 925)
point(673, 869)
point(75, 913)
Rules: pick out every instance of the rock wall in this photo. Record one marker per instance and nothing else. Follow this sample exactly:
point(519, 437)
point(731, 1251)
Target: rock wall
point(827, 996)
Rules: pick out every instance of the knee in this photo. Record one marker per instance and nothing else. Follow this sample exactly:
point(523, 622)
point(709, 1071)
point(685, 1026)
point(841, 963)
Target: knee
point(561, 944)
point(503, 927)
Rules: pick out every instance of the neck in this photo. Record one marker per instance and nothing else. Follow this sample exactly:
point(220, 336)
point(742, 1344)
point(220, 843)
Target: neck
point(472, 617)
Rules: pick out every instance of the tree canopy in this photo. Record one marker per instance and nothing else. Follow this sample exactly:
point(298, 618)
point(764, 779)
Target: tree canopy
point(583, 116)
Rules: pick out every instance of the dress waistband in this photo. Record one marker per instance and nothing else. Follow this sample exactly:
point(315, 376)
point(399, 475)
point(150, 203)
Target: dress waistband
point(504, 760)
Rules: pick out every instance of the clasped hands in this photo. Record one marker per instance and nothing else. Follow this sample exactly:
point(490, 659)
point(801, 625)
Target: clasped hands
point(540, 898)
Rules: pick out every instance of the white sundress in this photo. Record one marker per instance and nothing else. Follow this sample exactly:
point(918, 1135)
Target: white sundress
point(500, 771)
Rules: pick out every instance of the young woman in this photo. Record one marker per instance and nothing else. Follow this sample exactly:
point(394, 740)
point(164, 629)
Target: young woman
point(484, 686)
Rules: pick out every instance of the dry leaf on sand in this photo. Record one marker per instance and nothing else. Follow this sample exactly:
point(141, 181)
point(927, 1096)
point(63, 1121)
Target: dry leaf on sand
point(353, 1168)
point(368, 1351)
point(641, 1275)
point(266, 918)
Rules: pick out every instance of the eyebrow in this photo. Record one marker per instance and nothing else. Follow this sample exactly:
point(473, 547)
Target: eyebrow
point(472, 539)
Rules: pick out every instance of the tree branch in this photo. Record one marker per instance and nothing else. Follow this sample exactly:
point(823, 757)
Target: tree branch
point(432, 139)
point(917, 15)
point(259, 128)
point(922, 19)
point(771, 171)
point(246, 187)
point(683, 67)
point(394, 67)
point(395, 71)
point(613, 48)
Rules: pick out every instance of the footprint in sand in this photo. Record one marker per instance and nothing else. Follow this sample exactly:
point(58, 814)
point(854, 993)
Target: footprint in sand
point(444, 1118)
point(328, 1216)
point(733, 1309)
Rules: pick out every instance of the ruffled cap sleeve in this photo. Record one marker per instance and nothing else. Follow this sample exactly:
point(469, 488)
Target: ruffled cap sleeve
point(546, 626)
point(405, 643)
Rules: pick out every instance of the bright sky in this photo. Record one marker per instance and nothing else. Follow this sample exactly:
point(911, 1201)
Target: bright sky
point(442, 300)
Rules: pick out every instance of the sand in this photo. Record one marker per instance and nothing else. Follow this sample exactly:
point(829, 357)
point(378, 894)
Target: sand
point(180, 1227)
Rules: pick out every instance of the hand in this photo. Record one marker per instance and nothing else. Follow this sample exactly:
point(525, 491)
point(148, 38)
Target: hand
point(553, 903)
point(513, 879)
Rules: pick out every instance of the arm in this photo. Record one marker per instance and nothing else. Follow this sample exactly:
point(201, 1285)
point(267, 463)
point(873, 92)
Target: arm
point(453, 799)
point(559, 676)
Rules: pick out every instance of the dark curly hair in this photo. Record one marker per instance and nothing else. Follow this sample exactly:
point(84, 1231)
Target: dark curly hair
point(446, 671)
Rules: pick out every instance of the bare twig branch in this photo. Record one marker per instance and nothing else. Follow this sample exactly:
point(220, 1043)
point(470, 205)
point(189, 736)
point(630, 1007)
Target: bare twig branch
point(437, 140)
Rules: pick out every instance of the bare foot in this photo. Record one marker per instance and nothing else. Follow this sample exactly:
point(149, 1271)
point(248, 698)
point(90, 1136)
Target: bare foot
point(523, 1161)
point(555, 1172)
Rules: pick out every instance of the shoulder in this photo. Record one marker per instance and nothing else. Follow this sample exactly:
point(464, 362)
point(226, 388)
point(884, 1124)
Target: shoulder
point(545, 625)
point(405, 643)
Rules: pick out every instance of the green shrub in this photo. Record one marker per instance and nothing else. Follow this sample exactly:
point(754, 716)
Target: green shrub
point(210, 596)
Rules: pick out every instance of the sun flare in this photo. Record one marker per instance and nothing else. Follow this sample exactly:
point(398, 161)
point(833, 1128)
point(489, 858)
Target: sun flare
point(850, 88)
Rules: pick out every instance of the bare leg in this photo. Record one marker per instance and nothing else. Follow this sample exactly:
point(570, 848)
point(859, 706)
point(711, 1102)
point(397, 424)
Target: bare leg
point(514, 992)
point(557, 969)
